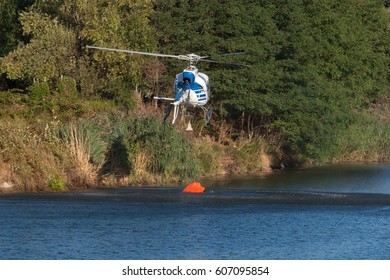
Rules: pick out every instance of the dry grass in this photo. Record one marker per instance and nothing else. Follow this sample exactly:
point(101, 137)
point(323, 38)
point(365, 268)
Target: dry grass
point(140, 169)
point(49, 156)
point(30, 155)
point(85, 173)
point(6, 183)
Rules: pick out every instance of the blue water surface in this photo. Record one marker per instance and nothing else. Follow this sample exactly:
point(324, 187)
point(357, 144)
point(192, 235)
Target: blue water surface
point(163, 223)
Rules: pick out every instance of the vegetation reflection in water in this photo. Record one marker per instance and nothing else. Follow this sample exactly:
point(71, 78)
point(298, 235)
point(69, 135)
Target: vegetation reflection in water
point(354, 178)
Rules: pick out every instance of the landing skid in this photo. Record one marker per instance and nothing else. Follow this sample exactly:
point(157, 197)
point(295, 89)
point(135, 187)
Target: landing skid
point(178, 106)
point(176, 109)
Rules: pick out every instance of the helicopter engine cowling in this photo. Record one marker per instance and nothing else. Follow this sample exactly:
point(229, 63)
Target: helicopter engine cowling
point(194, 98)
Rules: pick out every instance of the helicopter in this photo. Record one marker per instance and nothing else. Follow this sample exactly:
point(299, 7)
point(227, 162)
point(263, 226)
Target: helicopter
point(191, 87)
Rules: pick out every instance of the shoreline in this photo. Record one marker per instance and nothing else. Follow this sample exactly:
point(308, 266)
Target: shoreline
point(48, 155)
point(10, 188)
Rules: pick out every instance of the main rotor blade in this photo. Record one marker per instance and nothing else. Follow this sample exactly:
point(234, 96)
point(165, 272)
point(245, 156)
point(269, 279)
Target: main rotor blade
point(189, 57)
point(221, 62)
point(133, 52)
point(223, 54)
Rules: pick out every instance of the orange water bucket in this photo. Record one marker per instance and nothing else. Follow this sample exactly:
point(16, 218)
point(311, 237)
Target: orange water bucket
point(194, 187)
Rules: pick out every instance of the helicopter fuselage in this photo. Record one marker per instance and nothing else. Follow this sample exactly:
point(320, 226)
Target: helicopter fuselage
point(192, 87)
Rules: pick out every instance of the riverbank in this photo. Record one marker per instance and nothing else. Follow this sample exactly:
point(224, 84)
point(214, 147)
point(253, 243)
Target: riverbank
point(60, 151)
point(58, 157)
point(114, 151)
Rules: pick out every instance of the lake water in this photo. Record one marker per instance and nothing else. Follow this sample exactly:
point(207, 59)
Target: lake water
point(340, 212)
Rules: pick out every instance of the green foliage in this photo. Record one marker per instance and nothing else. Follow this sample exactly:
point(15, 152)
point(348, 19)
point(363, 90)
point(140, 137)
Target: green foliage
point(118, 24)
point(208, 154)
point(50, 53)
point(39, 91)
point(332, 81)
point(120, 92)
point(314, 63)
point(67, 86)
point(368, 139)
point(316, 68)
point(248, 157)
point(57, 32)
point(10, 29)
point(8, 26)
point(137, 148)
point(85, 141)
point(57, 184)
point(170, 153)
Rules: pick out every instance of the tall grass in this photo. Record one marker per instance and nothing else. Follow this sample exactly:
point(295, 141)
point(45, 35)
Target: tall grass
point(85, 144)
point(161, 150)
point(250, 155)
point(107, 150)
point(366, 140)
point(141, 150)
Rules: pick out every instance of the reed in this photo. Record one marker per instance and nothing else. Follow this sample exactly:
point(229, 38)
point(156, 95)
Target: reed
point(213, 157)
point(366, 140)
point(159, 149)
point(83, 139)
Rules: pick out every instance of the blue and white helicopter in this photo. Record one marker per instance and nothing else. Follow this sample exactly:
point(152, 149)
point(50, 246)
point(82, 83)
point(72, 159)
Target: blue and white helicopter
point(191, 87)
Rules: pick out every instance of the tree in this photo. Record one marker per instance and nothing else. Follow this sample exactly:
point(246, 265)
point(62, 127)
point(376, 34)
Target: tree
point(10, 29)
point(49, 54)
point(335, 63)
point(59, 30)
point(315, 64)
